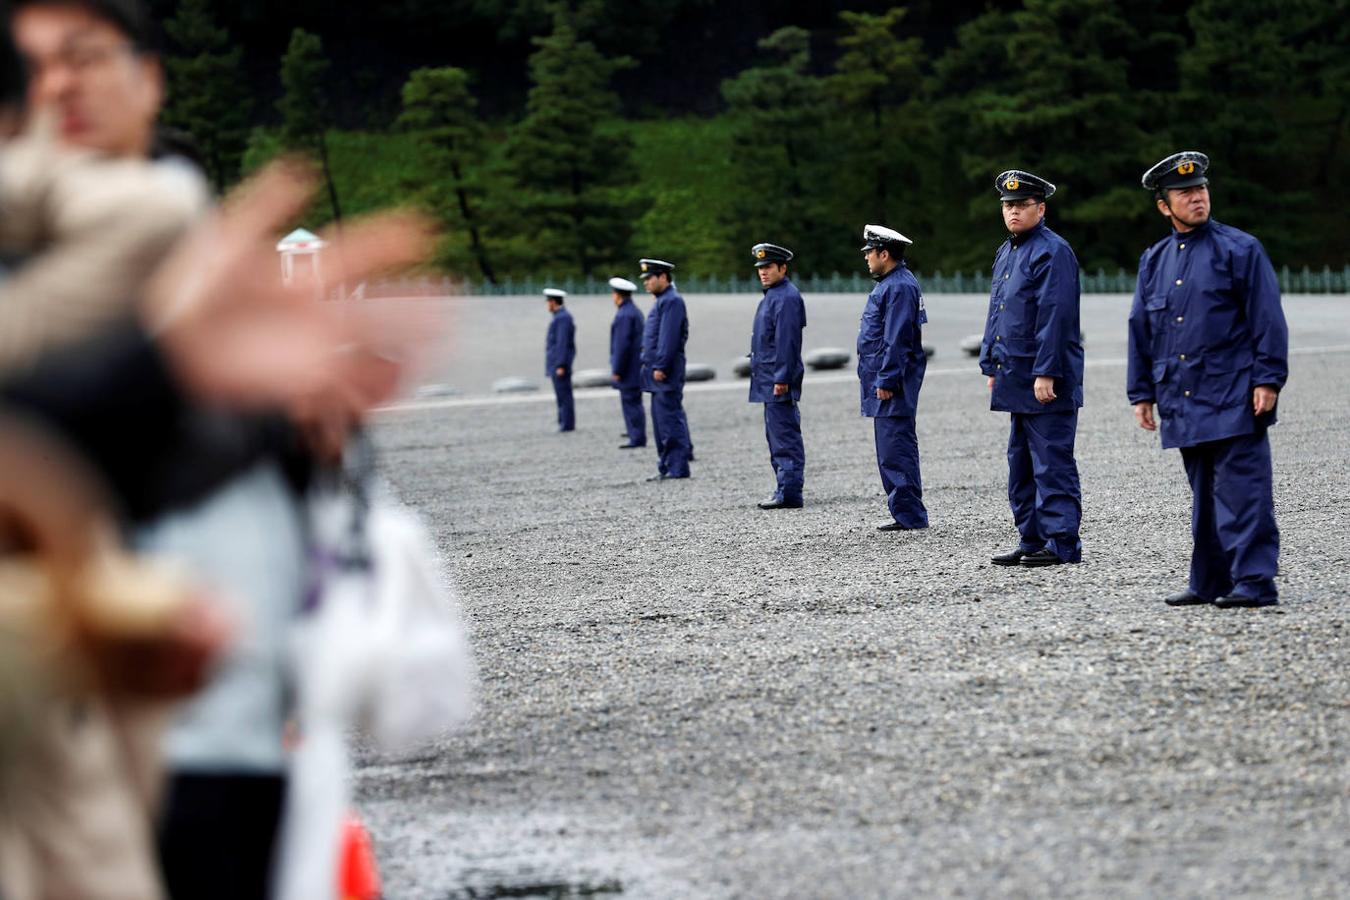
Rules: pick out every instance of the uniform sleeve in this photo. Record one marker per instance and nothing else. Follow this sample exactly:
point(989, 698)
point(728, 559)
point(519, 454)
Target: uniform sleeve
point(1265, 317)
point(1139, 373)
point(672, 326)
point(898, 321)
point(1056, 313)
point(788, 328)
point(569, 330)
point(986, 358)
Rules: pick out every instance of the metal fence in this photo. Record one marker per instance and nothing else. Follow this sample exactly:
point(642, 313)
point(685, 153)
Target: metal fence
point(1304, 281)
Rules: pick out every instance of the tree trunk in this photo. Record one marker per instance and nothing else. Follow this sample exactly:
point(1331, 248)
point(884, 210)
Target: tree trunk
point(475, 240)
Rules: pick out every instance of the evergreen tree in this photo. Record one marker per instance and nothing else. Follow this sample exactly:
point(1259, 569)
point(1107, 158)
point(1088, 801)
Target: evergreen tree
point(1054, 95)
point(303, 106)
point(207, 98)
point(877, 83)
point(779, 112)
point(568, 169)
point(1251, 103)
point(440, 110)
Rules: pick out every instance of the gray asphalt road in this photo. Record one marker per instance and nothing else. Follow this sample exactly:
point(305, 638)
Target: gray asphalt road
point(684, 696)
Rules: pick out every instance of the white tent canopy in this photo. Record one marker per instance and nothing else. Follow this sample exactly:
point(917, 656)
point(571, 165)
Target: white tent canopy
point(300, 243)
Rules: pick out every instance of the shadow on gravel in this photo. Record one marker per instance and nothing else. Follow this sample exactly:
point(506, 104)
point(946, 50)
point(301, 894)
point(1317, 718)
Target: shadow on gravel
point(553, 890)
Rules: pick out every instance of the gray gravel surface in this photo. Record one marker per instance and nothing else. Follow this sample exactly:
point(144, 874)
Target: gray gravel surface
point(683, 696)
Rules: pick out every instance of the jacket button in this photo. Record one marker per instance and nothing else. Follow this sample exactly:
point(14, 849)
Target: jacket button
point(1188, 393)
point(998, 337)
point(1000, 306)
point(1005, 277)
point(998, 366)
point(1183, 356)
point(1183, 246)
point(1178, 281)
point(1180, 319)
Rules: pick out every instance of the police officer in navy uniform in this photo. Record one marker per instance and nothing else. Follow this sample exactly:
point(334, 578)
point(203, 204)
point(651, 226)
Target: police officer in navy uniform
point(1032, 353)
point(1209, 346)
point(891, 363)
point(560, 349)
point(663, 339)
point(776, 372)
point(625, 361)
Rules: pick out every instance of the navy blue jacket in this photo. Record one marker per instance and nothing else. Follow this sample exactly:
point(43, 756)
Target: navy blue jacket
point(1206, 329)
point(776, 344)
point(625, 345)
point(663, 340)
point(890, 345)
point(1033, 328)
point(560, 348)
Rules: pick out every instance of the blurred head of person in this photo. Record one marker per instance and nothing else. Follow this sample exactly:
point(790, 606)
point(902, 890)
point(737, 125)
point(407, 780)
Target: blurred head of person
point(91, 64)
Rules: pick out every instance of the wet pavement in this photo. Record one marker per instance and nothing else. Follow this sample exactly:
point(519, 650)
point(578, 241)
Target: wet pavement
point(684, 697)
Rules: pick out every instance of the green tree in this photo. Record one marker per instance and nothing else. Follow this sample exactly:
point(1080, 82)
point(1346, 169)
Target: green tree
point(778, 112)
point(207, 98)
point(1054, 91)
point(1261, 98)
point(570, 172)
point(303, 105)
point(877, 83)
point(441, 113)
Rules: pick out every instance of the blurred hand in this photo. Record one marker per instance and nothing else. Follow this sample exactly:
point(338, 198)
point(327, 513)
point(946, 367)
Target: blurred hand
point(991, 382)
point(237, 337)
point(561, 371)
point(1263, 399)
point(658, 375)
point(1143, 414)
point(883, 394)
point(616, 376)
point(1044, 388)
point(779, 389)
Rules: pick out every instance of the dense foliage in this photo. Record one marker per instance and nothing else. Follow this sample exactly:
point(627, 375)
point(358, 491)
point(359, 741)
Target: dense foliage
point(571, 138)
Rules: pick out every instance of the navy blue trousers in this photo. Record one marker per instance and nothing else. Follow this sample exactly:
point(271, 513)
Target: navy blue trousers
point(634, 416)
point(567, 411)
point(671, 429)
point(783, 430)
point(898, 461)
point(1043, 488)
point(1237, 544)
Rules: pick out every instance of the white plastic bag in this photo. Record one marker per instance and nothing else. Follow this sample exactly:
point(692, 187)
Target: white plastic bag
point(379, 646)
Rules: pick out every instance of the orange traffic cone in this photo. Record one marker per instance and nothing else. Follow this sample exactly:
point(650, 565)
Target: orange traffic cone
point(358, 876)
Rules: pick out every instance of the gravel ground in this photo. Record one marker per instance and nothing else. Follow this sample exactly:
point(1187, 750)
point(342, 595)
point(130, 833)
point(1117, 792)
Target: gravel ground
point(683, 696)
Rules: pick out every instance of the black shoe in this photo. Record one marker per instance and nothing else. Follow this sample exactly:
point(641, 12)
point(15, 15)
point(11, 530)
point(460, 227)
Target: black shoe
point(1042, 557)
point(630, 446)
point(1238, 601)
point(894, 526)
point(780, 503)
point(1186, 598)
point(1011, 558)
point(657, 478)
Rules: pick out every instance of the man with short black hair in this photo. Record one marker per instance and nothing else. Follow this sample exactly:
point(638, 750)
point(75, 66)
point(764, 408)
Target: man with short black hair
point(776, 372)
point(891, 363)
point(92, 63)
point(1209, 345)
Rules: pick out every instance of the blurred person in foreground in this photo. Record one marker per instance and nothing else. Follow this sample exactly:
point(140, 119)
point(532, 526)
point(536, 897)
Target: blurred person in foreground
point(1209, 345)
point(170, 458)
point(1033, 357)
point(625, 361)
point(116, 398)
point(891, 364)
point(776, 372)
